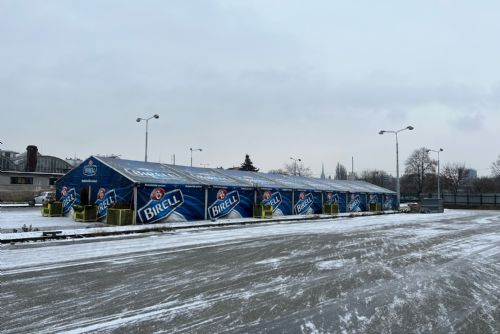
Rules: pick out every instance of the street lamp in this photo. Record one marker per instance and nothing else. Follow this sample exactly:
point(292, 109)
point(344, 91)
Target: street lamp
point(295, 165)
point(147, 120)
point(409, 127)
point(194, 149)
point(439, 183)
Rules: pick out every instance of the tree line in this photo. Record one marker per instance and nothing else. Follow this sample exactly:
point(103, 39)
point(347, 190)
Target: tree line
point(419, 177)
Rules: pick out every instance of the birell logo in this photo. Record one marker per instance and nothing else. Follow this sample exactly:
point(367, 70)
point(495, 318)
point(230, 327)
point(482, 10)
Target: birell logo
point(68, 198)
point(272, 199)
point(90, 169)
point(104, 201)
point(304, 203)
point(332, 198)
point(225, 203)
point(373, 199)
point(160, 205)
point(388, 203)
point(355, 203)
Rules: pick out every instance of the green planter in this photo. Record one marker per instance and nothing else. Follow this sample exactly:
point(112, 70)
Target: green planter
point(53, 209)
point(262, 211)
point(375, 207)
point(330, 209)
point(85, 213)
point(119, 217)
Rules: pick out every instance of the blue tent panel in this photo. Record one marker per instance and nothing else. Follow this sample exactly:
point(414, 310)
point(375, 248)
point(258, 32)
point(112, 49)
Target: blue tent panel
point(338, 198)
point(170, 204)
point(279, 199)
point(307, 202)
point(356, 202)
point(230, 202)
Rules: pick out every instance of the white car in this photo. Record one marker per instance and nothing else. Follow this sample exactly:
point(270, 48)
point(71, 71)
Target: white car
point(44, 197)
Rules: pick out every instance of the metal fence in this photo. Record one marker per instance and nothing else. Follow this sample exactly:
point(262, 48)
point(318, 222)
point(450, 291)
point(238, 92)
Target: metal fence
point(471, 199)
point(460, 199)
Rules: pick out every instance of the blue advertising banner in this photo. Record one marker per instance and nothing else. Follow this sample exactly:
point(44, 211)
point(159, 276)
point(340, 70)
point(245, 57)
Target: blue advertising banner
point(338, 198)
point(229, 202)
point(390, 202)
point(168, 204)
point(281, 201)
point(375, 199)
point(356, 202)
point(68, 197)
point(307, 202)
point(107, 198)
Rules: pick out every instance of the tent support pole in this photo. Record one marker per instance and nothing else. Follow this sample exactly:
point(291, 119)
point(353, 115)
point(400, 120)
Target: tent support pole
point(206, 203)
point(134, 219)
point(293, 202)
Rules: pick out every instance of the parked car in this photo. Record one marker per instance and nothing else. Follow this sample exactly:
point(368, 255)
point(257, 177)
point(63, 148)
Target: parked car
point(43, 197)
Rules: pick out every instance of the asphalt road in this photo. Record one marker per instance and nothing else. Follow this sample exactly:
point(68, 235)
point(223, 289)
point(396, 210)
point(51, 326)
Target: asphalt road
point(384, 274)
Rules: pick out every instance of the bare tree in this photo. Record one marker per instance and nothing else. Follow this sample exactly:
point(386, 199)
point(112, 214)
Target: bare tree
point(292, 169)
point(278, 171)
point(379, 178)
point(417, 167)
point(454, 176)
point(483, 185)
point(297, 169)
point(495, 167)
point(340, 172)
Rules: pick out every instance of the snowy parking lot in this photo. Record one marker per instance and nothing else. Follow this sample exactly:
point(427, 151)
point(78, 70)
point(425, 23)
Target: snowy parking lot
point(383, 274)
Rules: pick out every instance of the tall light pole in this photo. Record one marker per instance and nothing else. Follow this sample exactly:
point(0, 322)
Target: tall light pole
point(295, 165)
point(439, 183)
point(194, 149)
point(409, 127)
point(147, 125)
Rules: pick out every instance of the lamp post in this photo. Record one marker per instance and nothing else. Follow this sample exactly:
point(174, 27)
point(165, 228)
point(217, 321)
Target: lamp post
point(295, 165)
point(147, 125)
point(409, 127)
point(439, 183)
point(194, 149)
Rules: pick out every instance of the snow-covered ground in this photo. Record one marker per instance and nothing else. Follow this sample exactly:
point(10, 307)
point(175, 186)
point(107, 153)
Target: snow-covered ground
point(15, 218)
point(396, 273)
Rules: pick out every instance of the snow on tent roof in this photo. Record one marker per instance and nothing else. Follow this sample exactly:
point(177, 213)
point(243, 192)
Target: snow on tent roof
point(147, 172)
point(362, 186)
point(254, 178)
point(319, 184)
point(209, 176)
point(376, 189)
point(288, 181)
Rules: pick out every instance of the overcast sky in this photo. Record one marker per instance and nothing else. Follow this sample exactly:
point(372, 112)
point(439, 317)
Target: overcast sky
point(316, 80)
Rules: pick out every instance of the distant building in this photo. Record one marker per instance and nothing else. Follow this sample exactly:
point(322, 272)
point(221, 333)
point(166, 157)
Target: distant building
point(470, 173)
point(22, 175)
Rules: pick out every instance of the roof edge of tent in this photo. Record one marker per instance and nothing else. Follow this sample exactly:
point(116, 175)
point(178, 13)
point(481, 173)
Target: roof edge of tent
point(238, 180)
point(109, 166)
point(266, 176)
point(186, 175)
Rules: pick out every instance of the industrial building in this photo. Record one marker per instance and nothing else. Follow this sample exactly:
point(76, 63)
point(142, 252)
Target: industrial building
point(22, 175)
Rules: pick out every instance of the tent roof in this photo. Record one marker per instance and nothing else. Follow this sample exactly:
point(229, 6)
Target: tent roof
point(157, 173)
point(253, 178)
point(209, 176)
point(147, 172)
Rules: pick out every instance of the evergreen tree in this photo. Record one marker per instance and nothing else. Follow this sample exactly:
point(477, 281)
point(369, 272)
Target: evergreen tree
point(248, 165)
